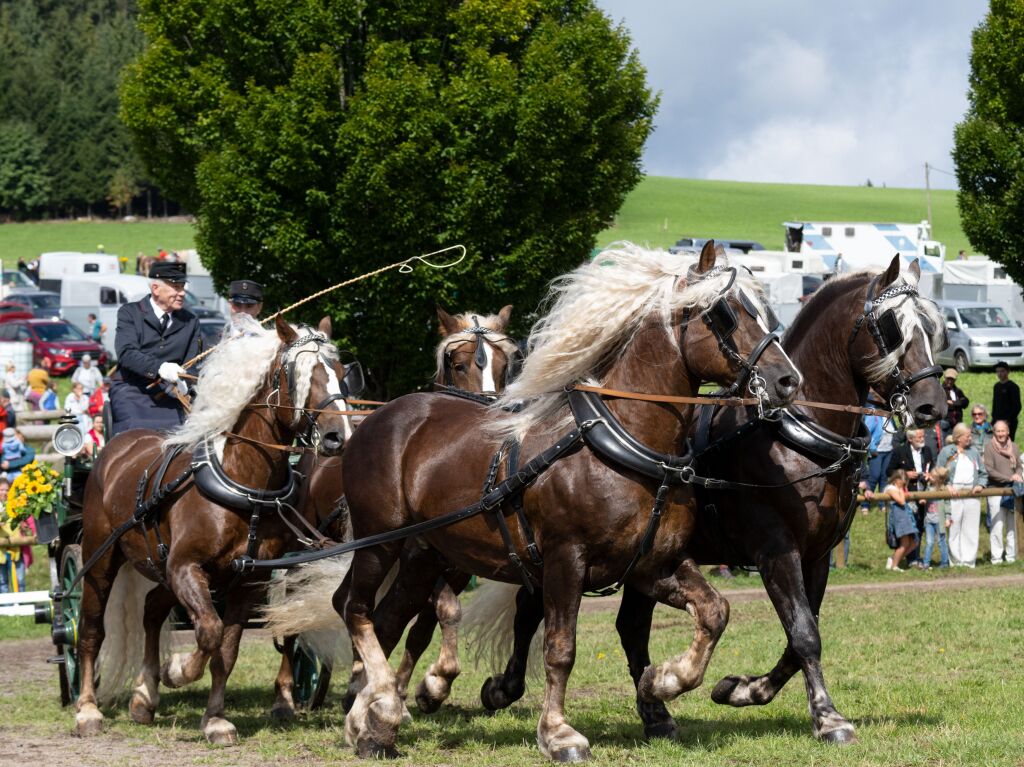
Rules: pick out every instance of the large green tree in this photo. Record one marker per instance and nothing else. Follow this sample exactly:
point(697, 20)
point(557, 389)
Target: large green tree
point(320, 139)
point(989, 144)
point(24, 177)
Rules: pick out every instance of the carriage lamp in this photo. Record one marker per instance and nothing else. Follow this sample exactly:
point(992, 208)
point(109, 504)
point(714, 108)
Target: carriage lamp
point(68, 439)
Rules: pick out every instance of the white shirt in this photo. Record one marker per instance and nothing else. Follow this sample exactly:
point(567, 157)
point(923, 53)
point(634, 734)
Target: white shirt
point(159, 313)
point(91, 378)
point(915, 453)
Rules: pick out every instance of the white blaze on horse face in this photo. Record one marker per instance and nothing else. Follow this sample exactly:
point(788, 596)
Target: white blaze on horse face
point(334, 387)
point(487, 385)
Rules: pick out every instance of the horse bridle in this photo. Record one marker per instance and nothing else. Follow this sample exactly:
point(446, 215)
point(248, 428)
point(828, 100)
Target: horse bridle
point(721, 320)
point(888, 337)
point(350, 385)
point(481, 336)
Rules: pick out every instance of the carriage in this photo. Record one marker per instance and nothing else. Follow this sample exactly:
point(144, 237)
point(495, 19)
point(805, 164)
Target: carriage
point(61, 532)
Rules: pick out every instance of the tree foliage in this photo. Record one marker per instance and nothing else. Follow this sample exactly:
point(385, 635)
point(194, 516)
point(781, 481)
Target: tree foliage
point(320, 139)
point(24, 177)
point(60, 64)
point(989, 143)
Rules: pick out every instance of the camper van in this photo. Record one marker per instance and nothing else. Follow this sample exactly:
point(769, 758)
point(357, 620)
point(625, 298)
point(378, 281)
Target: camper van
point(58, 266)
point(101, 295)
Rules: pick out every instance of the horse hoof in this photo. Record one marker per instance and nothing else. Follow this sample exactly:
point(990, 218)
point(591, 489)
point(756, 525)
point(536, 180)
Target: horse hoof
point(220, 732)
point(722, 694)
point(140, 712)
point(662, 731)
point(655, 686)
point(282, 713)
point(171, 674)
point(371, 749)
point(88, 723)
point(841, 736)
point(571, 754)
point(493, 695)
point(742, 691)
point(426, 703)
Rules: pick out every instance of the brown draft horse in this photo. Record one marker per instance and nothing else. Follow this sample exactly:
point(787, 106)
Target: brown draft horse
point(786, 531)
point(256, 394)
point(624, 319)
point(475, 354)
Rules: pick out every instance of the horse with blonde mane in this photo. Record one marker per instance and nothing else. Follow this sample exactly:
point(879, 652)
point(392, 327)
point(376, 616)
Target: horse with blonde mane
point(633, 320)
point(179, 508)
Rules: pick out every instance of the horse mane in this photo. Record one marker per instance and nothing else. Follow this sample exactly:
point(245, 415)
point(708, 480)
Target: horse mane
point(235, 371)
point(834, 289)
point(594, 313)
point(465, 320)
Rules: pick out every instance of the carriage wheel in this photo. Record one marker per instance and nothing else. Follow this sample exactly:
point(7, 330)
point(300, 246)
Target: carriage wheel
point(68, 610)
point(311, 678)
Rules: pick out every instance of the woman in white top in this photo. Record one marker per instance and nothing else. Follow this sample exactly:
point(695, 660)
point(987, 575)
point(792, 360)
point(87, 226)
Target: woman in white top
point(967, 478)
point(15, 385)
point(77, 404)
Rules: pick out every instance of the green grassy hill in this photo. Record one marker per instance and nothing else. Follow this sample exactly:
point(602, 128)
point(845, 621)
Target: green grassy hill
point(661, 210)
point(657, 213)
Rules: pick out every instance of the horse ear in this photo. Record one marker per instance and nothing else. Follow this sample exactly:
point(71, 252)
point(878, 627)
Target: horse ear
point(285, 331)
point(449, 325)
point(915, 270)
point(891, 273)
point(325, 327)
point(503, 317)
point(707, 257)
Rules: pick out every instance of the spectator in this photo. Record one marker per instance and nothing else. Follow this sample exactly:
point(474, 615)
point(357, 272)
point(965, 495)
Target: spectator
point(879, 453)
point(901, 519)
point(961, 255)
point(38, 383)
point(99, 398)
point(96, 329)
point(95, 439)
point(916, 459)
point(88, 375)
point(967, 478)
point(13, 562)
point(50, 400)
point(936, 520)
point(1002, 462)
point(13, 452)
point(981, 429)
point(77, 404)
point(15, 385)
point(956, 400)
point(1005, 399)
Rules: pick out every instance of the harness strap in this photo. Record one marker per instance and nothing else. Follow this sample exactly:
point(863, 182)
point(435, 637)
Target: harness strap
point(513, 484)
point(516, 502)
point(340, 507)
point(502, 525)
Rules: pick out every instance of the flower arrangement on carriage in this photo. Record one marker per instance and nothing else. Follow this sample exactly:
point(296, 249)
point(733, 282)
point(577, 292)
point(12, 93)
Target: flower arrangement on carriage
point(33, 492)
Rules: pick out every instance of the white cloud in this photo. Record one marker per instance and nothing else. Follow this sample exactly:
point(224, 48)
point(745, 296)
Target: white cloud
point(791, 150)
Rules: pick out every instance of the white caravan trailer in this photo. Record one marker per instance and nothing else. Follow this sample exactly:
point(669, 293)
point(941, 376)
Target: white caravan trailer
point(847, 246)
point(57, 266)
point(101, 295)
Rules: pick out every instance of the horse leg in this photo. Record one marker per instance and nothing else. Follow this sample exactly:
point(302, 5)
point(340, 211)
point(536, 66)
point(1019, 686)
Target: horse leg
point(634, 626)
point(563, 590)
point(797, 605)
point(372, 723)
point(437, 682)
point(217, 729)
point(96, 587)
point(284, 704)
point(146, 694)
point(502, 690)
point(747, 690)
point(687, 590)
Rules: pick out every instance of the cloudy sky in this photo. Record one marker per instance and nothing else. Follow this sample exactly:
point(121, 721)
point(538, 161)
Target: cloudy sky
point(804, 91)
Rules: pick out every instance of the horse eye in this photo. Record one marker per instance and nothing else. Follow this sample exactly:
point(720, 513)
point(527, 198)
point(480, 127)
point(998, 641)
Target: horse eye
point(460, 367)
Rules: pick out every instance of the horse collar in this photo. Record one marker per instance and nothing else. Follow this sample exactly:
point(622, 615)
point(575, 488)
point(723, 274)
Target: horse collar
point(216, 485)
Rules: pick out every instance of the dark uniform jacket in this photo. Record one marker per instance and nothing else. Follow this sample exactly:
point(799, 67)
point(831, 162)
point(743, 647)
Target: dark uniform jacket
point(1006, 404)
point(141, 349)
point(903, 458)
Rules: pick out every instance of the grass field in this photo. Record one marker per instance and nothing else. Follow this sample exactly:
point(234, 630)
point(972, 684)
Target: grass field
point(658, 212)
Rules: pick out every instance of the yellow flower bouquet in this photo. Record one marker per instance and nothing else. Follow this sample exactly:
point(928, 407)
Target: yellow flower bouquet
point(32, 493)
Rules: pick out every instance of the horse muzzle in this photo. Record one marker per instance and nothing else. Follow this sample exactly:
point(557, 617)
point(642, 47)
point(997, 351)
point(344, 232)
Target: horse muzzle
point(331, 443)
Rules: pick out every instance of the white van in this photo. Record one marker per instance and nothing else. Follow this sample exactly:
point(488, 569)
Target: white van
point(101, 295)
point(57, 266)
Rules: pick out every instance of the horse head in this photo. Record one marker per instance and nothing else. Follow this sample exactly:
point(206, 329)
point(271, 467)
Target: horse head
point(730, 336)
point(476, 354)
point(895, 340)
point(312, 387)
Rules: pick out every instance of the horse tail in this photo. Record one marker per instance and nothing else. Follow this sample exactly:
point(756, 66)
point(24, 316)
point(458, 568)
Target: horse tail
point(123, 649)
point(488, 624)
point(301, 604)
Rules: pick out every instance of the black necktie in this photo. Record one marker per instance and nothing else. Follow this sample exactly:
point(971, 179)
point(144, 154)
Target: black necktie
point(164, 322)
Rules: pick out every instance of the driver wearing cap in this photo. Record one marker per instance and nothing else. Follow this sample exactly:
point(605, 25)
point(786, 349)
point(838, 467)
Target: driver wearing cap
point(154, 337)
point(245, 298)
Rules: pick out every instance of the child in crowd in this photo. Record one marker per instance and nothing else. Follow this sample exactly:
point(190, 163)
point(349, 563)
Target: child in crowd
point(936, 520)
point(901, 519)
point(13, 449)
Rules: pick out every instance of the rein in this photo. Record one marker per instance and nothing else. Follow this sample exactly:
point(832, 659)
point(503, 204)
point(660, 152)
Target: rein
point(729, 401)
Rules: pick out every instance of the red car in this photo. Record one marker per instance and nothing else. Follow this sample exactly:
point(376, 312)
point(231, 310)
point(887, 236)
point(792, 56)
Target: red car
point(12, 311)
point(56, 340)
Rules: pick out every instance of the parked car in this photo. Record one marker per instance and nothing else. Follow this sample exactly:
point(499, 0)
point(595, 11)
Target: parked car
point(10, 311)
point(980, 335)
point(211, 329)
point(199, 309)
point(42, 303)
point(16, 282)
point(56, 340)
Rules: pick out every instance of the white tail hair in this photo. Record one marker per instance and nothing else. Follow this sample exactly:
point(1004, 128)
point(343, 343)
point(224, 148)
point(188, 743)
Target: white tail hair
point(488, 626)
point(301, 605)
point(121, 655)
